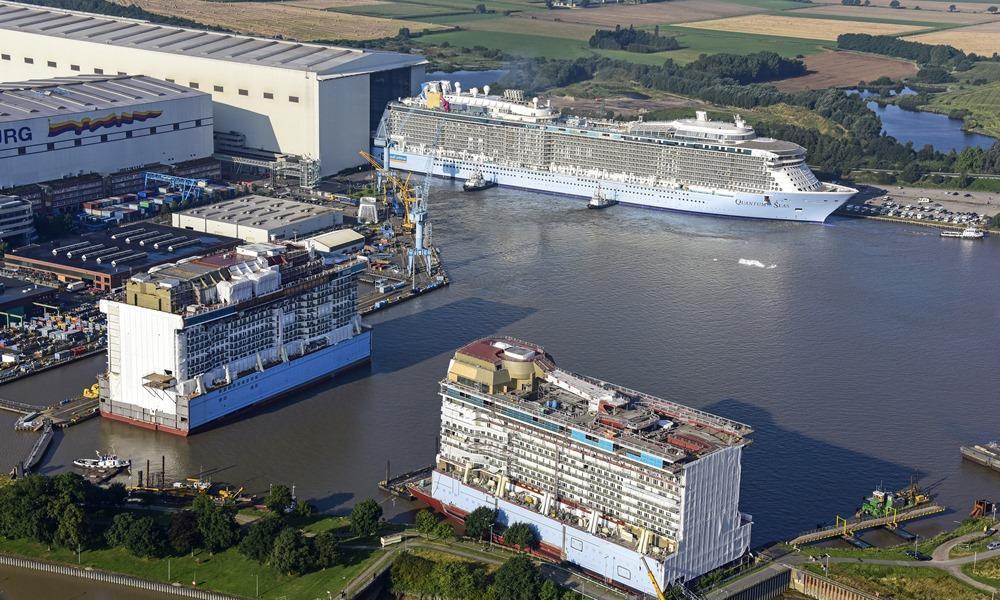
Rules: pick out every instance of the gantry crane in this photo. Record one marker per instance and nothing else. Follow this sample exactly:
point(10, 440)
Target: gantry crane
point(402, 188)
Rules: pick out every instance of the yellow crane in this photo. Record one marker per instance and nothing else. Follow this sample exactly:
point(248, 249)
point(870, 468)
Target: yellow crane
point(652, 579)
point(402, 187)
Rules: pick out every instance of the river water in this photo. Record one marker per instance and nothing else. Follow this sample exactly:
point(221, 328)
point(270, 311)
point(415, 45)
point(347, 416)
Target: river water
point(862, 353)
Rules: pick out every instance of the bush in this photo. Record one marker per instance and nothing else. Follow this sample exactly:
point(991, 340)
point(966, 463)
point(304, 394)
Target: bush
point(426, 522)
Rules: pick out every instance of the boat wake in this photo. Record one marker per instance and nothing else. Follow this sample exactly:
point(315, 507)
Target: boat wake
point(749, 262)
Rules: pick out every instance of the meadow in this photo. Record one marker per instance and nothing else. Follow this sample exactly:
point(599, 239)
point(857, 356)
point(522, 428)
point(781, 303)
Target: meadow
point(982, 101)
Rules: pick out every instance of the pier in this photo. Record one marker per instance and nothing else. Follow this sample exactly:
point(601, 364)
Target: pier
point(17, 407)
point(39, 448)
point(847, 530)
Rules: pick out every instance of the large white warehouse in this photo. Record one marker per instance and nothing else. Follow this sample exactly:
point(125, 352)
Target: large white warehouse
point(279, 96)
point(66, 126)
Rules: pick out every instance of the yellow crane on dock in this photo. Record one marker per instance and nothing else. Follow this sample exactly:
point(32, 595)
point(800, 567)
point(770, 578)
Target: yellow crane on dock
point(402, 187)
point(652, 579)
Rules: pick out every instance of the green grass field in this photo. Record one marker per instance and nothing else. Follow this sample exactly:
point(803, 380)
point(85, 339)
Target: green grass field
point(982, 101)
point(986, 571)
point(990, 71)
point(228, 571)
point(902, 582)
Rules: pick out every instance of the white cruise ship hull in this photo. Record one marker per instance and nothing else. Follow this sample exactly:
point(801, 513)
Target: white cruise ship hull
point(812, 207)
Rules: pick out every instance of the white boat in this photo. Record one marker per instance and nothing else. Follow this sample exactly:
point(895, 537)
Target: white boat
point(600, 200)
point(969, 233)
point(103, 462)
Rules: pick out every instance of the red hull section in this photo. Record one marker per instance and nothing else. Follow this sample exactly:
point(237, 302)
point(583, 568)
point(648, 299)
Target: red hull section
point(145, 425)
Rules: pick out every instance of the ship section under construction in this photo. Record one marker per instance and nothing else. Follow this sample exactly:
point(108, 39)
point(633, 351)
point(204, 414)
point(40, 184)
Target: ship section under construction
point(692, 165)
point(613, 480)
point(192, 342)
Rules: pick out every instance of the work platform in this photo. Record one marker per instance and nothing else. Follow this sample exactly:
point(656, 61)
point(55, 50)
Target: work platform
point(844, 528)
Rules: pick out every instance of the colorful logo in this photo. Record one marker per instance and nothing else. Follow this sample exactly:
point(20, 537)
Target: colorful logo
point(112, 120)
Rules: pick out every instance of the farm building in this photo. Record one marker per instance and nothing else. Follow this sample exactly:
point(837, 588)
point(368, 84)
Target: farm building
point(62, 127)
point(271, 97)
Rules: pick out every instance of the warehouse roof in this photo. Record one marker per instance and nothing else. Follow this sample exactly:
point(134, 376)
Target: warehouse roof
point(83, 93)
point(262, 212)
point(136, 34)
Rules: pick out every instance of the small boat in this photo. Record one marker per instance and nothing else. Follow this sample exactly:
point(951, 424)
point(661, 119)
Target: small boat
point(600, 200)
point(477, 183)
point(103, 462)
point(969, 233)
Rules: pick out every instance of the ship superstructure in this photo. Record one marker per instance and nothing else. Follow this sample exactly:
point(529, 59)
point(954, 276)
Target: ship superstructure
point(608, 477)
point(693, 165)
point(194, 341)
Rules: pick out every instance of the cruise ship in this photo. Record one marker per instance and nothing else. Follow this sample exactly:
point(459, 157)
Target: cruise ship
point(619, 483)
point(195, 341)
point(693, 165)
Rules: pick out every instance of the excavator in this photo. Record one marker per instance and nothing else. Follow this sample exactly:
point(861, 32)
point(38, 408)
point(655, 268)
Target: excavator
point(403, 189)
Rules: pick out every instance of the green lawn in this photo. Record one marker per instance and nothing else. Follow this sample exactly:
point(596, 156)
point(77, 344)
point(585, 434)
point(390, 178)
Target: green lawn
point(228, 571)
point(990, 71)
point(982, 101)
point(986, 571)
point(911, 583)
point(706, 41)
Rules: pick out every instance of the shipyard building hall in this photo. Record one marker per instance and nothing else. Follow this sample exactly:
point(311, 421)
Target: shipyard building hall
point(68, 126)
point(269, 97)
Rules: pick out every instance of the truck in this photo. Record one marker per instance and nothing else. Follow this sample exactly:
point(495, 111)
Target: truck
point(76, 286)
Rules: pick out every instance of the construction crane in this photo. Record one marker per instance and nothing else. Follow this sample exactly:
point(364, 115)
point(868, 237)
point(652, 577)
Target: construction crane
point(652, 579)
point(402, 187)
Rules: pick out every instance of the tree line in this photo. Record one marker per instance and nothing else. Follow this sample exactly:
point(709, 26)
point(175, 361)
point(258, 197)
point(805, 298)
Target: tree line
point(924, 54)
point(632, 40)
point(68, 511)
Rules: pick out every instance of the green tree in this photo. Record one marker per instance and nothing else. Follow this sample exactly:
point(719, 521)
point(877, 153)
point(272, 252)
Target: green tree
point(969, 160)
point(572, 595)
point(72, 530)
point(481, 9)
point(478, 523)
point(279, 499)
point(443, 531)
point(304, 510)
point(517, 579)
point(291, 553)
point(218, 529)
point(258, 543)
point(426, 522)
point(549, 591)
point(114, 494)
point(911, 172)
point(117, 533)
point(458, 579)
point(183, 532)
point(145, 538)
point(365, 518)
point(327, 550)
point(992, 9)
point(520, 535)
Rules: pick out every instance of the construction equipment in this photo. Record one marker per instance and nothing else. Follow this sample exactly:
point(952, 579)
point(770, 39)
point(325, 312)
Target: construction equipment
point(403, 191)
point(652, 579)
point(91, 392)
point(981, 508)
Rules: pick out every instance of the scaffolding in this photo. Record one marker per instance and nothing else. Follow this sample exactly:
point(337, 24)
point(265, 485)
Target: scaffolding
point(186, 186)
point(303, 171)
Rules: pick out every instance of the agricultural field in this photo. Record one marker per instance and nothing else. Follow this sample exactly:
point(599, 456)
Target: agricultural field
point(271, 19)
point(899, 16)
point(981, 39)
point(928, 5)
point(677, 11)
point(839, 69)
point(982, 101)
point(808, 28)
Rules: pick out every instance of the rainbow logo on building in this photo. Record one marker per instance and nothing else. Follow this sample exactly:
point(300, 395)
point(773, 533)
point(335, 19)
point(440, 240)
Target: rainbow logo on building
point(112, 120)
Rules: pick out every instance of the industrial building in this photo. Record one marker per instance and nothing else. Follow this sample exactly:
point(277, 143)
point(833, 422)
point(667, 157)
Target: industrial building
point(270, 96)
point(96, 124)
point(20, 299)
point(342, 241)
point(259, 219)
point(106, 259)
point(17, 225)
point(196, 341)
point(615, 481)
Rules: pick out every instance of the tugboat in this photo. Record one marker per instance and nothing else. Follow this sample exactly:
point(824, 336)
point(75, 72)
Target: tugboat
point(599, 200)
point(882, 503)
point(969, 233)
point(103, 462)
point(477, 183)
